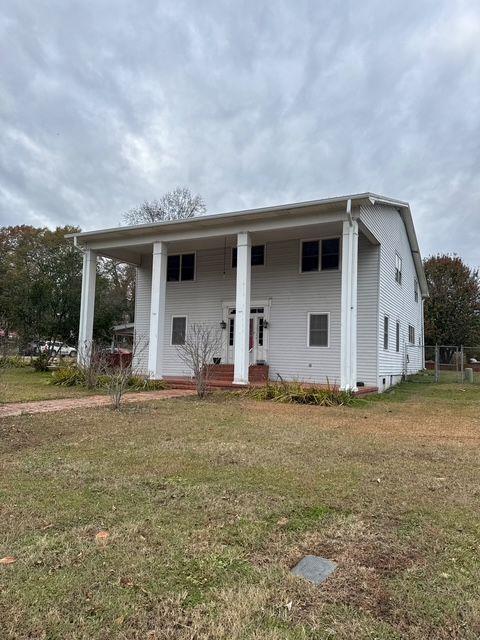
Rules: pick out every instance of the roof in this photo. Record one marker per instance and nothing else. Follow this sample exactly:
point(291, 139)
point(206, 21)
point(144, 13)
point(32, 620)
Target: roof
point(337, 201)
point(242, 216)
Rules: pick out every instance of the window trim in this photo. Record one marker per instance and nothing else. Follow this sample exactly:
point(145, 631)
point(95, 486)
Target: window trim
point(319, 240)
point(171, 326)
point(386, 334)
point(318, 313)
point(400, 271)
point(256, 266)
point(184, 253)
point(412, 327)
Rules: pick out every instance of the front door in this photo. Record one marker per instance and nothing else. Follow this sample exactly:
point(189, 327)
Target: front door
point(257, 339)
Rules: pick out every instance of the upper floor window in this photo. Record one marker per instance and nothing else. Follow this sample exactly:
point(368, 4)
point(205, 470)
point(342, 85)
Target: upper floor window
point(181, 267)
point(257, 256)
point(398, 268)
point(320, 255)
point(415, 289)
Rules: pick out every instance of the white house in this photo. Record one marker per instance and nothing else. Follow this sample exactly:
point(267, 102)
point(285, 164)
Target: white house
point(328, 290)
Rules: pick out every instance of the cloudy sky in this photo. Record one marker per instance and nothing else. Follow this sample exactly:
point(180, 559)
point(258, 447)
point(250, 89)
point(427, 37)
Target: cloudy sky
point(105, 103)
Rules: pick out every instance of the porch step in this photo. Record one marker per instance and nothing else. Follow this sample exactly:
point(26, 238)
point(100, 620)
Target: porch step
point(189, 383)
point(224, 372)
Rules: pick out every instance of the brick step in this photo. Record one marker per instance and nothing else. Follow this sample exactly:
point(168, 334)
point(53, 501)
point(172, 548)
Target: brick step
point(190, 384)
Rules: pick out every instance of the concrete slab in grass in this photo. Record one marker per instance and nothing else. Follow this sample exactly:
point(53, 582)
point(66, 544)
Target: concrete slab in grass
point(314, 569)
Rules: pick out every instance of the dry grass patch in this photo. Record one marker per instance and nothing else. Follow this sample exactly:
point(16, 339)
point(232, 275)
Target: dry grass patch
point(207, 506)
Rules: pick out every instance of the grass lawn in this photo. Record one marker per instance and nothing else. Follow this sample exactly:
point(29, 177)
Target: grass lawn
point(23, 384)
point(209, 504)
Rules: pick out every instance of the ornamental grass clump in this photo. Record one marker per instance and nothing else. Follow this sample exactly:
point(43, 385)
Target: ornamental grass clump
point(68, 375)
point(298, 393)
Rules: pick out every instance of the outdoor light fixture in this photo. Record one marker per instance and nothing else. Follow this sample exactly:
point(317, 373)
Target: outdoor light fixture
point(223, 324)
point(265, 324)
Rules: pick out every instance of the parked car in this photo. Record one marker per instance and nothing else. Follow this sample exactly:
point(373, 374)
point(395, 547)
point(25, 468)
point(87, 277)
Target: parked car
point(33, 348)
point(58, 348)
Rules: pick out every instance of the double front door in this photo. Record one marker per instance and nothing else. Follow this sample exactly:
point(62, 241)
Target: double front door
point(257, 339)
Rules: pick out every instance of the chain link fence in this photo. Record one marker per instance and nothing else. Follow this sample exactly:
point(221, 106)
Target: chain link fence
point(442, 363)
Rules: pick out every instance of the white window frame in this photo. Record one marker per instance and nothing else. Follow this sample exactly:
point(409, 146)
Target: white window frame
point(318, 313)
point(387, 318)
point(171, 326)
point(319, 240)
point(183, 253)
point(253, 266)
point(410, 341)
point(398, 271)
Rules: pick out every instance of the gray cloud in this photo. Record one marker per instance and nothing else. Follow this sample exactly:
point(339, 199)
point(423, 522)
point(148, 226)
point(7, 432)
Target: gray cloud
point(106, 103)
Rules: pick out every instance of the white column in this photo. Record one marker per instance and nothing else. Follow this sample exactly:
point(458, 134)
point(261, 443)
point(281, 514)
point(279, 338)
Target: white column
point(348, 347)
point(157, 310)
point(87, 306)
point(242, 309)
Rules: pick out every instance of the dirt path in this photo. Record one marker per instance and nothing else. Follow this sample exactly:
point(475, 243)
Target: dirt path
point(65, 404)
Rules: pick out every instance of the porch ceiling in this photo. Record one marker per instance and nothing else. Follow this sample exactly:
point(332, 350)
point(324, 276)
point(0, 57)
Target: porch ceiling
point(132, 253)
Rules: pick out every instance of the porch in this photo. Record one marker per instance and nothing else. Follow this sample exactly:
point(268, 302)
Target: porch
point(293, 310)
point(221, 378)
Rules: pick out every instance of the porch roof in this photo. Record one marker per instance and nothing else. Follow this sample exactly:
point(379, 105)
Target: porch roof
point(128, 242)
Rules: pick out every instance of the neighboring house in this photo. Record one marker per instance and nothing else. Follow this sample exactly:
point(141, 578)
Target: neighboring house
point(324, 291)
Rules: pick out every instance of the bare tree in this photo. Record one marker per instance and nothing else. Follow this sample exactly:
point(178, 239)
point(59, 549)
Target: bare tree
point(92, 362)
point(202, 344)
point(118, 372)
point(174, 205)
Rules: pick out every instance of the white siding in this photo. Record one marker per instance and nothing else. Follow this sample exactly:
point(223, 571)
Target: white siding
point(293, 295)
point(396, 301)
point(367, 311)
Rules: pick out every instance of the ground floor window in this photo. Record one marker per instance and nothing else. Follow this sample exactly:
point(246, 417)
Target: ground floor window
point(385, 332)
point(179, 329)
point(411, 334)
point(397, 337)
point(318, 329)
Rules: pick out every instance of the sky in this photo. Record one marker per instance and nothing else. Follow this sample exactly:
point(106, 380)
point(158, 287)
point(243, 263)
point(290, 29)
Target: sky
point(106, 103)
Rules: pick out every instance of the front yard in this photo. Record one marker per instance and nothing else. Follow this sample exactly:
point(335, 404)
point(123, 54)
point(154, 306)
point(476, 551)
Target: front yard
point(23, 384)
point(208, 505)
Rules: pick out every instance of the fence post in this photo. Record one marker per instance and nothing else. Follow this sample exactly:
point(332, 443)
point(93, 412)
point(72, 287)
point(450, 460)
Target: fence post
point(437, 363)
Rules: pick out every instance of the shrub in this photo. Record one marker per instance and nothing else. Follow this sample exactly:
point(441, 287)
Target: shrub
point(297, 393)
point(138, 383)
point(41, 362)
point(13, 361)
point(68, 376)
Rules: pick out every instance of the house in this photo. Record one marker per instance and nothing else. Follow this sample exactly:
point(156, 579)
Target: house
point(323, 291)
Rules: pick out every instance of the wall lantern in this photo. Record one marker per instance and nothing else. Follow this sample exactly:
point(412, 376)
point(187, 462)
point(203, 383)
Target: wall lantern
point(223, 325)
point(265, 324)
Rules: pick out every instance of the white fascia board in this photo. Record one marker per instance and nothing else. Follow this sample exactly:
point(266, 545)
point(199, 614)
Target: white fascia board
point(220, 230)
point(338, 202)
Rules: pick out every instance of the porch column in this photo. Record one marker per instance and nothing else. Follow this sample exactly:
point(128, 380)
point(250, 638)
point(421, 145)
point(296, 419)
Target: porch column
point(242, 309)
point(348, 346)
point(157, 310)
point(87, 306)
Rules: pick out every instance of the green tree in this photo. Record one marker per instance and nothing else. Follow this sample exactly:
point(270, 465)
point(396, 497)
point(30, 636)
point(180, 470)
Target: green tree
point(40, 286)
point(452, 312)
